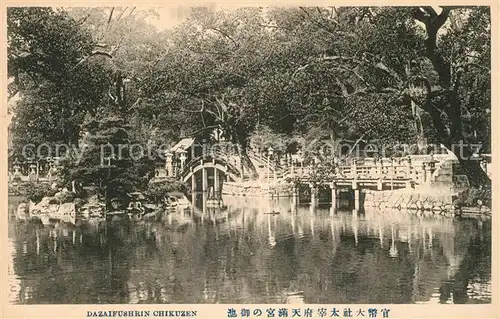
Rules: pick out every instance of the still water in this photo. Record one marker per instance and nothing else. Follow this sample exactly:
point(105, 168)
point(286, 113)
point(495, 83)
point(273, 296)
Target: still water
point(244, 255)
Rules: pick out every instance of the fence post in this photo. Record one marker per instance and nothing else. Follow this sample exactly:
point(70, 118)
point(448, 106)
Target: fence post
point(354, 169)
point(334, 194)
point(379, 173)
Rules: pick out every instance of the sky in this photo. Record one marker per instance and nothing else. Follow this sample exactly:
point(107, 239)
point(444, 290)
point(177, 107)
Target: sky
point(170, 16)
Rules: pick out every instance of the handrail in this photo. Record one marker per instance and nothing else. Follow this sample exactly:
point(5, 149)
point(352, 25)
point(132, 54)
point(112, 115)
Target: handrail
point(371, 168)
point(192, 163)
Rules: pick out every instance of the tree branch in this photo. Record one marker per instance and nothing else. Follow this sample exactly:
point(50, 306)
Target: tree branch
point(421, 16)
point(225, 35)
point(96, 52)
point(111, 15)
point(121, 14)
point(199, 131)
point(430, 10)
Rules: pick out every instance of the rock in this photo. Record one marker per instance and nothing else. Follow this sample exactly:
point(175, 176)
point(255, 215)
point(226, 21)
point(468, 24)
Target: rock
point(403, 205)
point(485, 209)
point(419, 204)
point(436, 207)
point(427, 206)
point(448, 207)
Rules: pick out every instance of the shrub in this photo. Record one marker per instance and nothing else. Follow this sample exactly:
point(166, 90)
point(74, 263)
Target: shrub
point(35, 192)
point(66, 197)
point(158, 190)
point(474, 197)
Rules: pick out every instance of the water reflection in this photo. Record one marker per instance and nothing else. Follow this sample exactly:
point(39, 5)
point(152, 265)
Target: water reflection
point(245, 253)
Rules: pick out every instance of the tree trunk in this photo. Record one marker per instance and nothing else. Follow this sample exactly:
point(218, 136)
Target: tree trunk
point(472, 168)
point(74, 138)
point(245, 159)
point(248, 164)
point(454, 135)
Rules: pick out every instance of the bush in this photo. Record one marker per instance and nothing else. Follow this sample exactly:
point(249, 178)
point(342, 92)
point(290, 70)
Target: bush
point(474, 197)
point(35, 192)
point(158, 190)
point(17, 179)
point(66, 197)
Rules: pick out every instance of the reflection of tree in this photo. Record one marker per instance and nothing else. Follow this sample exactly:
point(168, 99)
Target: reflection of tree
point(336, 258)
point(476, 262)
point(57, 270)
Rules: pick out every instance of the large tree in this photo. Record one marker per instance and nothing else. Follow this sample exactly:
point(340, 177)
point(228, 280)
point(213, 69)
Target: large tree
point(381, 69)
point(392, 74)
point(45, 51)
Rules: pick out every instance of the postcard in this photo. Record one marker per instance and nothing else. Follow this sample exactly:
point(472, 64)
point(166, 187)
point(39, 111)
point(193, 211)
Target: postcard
point(249, 159)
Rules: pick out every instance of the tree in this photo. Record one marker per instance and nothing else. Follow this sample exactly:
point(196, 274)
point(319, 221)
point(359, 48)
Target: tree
point(107, 161)
point(211, 76)
point(453, 105)
point(44, 48)
point(390, 72)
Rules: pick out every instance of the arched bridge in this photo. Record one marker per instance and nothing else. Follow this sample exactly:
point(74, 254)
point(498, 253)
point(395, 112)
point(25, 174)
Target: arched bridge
point(204, 172)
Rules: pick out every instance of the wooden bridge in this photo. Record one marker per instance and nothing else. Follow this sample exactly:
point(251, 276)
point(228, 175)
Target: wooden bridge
point(369, 173)
point(207, 172)
point(380, 174)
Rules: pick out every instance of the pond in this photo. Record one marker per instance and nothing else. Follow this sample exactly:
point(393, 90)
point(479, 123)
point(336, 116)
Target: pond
point(243, 254)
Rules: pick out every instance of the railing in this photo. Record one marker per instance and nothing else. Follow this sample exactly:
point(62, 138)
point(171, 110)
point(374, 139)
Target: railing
point(230, 164)
point(385, 169)
point(367, 168)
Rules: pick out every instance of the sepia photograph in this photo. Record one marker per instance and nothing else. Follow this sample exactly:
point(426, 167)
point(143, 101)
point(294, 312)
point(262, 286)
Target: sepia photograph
point(285, 155)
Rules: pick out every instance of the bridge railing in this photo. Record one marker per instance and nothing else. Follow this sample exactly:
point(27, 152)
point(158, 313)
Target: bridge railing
point(385, 169)
point(228, 161)
point(368, 168)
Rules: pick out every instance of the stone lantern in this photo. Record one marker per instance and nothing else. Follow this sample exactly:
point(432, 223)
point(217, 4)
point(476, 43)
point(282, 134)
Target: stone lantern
point(183, 158)
point(168, 164)
point(300, 158)
point(16, 168)
point(429, 167)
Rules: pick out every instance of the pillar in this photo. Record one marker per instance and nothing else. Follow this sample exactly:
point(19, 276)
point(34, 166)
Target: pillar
point(216, 183)
point(334, 195)
point(424, 174)
point(295, 195)
point(379, 173)
point(193, 181)
point(193, 202)
point(204, 179)
point(168, 165)
point(354, 169)
point(408, 168)
point(314, 194)
point(204, 203)
point(183, 159)
point(428, 173)
point(357, 202)
point(393, 172)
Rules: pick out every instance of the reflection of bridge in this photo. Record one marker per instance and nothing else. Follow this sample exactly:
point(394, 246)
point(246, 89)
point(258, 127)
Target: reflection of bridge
point(216, 168)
